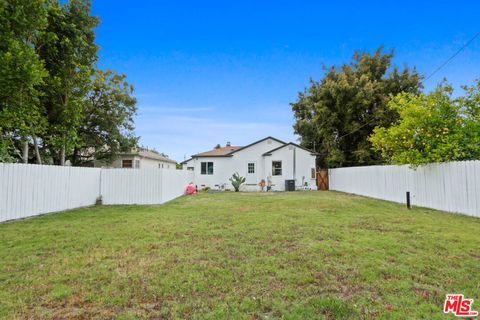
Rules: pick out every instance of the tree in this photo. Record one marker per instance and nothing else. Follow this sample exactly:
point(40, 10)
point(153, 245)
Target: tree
point(21, 72)
point(431, 127)
point(470, 103)
point(69, 51)
point(336, 115)
point(107, 127)
point(51, 97)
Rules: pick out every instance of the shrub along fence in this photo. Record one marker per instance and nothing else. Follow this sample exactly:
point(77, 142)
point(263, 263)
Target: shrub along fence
point(452, 186)
point(29, 190)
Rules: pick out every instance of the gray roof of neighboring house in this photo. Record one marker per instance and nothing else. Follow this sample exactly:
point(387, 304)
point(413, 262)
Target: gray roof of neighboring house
point(144, 153)
point(155, 156)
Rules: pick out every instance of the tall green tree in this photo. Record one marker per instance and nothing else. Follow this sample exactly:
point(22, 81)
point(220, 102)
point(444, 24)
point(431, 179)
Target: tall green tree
point(21, 72)
point(470, 103)
point(69, 52)
point(432, 127)
point(336, 115)
point(108, 124)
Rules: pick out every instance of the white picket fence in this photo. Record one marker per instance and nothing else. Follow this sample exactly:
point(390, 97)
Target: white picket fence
point(29, 190)
point(452, 186)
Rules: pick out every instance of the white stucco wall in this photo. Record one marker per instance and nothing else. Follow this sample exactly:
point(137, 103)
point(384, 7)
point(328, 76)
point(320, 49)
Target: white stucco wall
point(304, 162)
point(187, 164)
point(225, 167)
point(221, 172)
point(118, 162)
point(145, 163)
point(253, 154)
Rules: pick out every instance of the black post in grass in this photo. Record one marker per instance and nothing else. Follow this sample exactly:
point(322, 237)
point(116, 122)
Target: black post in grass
point(408, 200)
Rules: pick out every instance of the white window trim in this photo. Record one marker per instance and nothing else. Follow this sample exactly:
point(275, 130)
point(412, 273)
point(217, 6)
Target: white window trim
point(281, 168)
point(206, 168)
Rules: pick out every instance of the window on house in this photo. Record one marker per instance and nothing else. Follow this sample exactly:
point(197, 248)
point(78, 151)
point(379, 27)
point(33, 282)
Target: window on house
point(276, 168)
point(190, 168)
point(314, 174)
point(126, 163)
point(251, 167)
point(137, 164)
point(206, 168)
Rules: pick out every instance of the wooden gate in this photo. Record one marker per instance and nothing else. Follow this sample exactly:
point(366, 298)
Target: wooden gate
point(322, 179)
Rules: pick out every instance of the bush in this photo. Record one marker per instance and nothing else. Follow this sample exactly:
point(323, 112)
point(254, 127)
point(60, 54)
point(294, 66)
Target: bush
point(237, 181)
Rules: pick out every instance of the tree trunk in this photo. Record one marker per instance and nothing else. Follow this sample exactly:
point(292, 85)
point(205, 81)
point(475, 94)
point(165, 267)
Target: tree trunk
point(62, 156)
point(37, 151)
point(75, 157)
point(25, 151)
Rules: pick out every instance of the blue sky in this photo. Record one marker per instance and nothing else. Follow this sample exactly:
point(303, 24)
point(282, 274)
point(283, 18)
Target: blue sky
point(208, 72)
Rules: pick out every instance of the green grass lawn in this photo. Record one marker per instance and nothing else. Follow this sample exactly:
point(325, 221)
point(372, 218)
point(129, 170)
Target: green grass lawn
point(302, 255)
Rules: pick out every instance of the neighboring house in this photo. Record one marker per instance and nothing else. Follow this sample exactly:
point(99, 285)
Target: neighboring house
point(143, 159)
point(269, 159)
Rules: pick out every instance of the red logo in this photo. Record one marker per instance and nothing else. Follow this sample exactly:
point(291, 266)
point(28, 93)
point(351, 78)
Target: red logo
point(459, 306)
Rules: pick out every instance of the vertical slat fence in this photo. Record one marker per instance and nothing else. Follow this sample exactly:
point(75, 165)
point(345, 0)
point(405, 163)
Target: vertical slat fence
point(28, 190)
point(452, 186)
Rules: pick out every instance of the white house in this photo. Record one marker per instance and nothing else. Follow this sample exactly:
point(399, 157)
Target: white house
point(268, 159)
point(143, 159)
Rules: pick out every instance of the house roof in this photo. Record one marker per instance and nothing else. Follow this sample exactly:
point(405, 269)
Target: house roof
point(269, 153)
point(153, 155)
point(144, 153)
point(185, 161)
point(254, 143)
point(219, 152)
point(228, 151)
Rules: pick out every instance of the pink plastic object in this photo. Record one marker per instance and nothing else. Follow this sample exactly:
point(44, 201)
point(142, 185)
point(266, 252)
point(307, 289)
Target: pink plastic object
point(191, 189)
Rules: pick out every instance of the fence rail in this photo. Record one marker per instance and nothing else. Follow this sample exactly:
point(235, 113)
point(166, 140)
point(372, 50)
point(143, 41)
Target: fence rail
point(29, 190)
point(452, 186)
